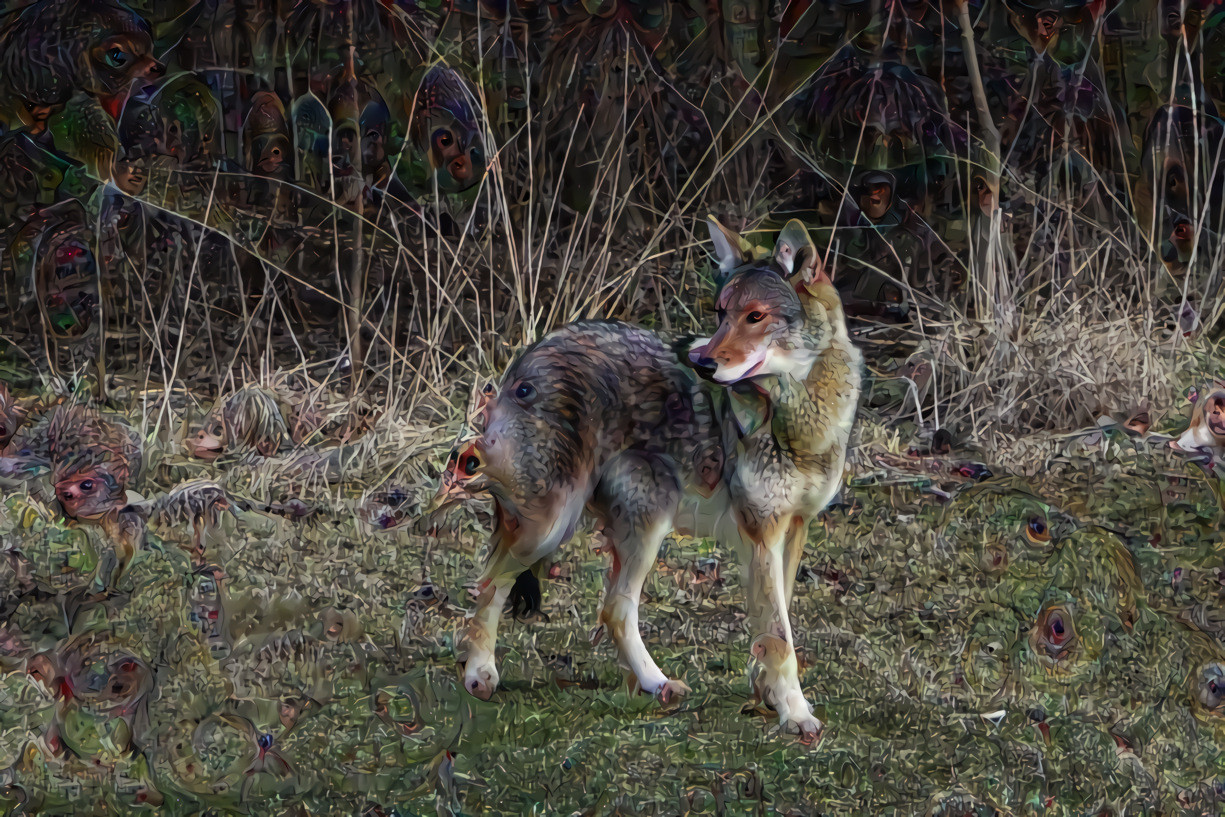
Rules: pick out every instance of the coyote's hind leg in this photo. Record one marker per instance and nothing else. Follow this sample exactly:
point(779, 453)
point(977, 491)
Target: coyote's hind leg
point(476, 652)
point(637, 500)
point(519, 541)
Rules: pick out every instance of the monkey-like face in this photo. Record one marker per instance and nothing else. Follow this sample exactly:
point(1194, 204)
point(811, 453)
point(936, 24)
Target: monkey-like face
point(446, 130)
point(986, 194)
point(129, 175)
point(250, 419)
point(90, 492)
point(374, 149)
point(1182, 20)
point(458, 162)
point(344, 142)
point(116, 59)
point(1178, 247)
point(346, 183)
point(270, 155)
point(876, 200)
point(208, 443)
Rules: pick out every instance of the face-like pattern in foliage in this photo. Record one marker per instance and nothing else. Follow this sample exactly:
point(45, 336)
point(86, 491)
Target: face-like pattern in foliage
point(249, 419)
point(445, 129)
point(52, 48)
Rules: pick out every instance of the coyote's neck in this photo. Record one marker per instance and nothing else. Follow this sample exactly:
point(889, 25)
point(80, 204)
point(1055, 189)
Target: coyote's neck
point(813, 415)
point(823, 309)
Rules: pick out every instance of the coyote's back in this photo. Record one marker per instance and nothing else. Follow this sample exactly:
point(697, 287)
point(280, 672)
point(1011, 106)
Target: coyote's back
point(586, 393)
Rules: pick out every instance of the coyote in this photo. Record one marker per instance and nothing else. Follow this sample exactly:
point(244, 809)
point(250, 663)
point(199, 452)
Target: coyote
point(608, 417)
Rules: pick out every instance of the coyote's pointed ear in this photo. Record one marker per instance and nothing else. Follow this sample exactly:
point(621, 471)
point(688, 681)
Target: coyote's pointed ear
point(795, 251)
point(731, 250)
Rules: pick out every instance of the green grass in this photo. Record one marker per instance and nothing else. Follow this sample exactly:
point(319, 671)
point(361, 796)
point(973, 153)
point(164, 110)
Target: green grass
point(893, 620)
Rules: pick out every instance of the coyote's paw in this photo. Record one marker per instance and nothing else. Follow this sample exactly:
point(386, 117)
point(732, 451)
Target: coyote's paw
point(481, 680)
point(808, 729)
point(672, 691)
point(795, 718)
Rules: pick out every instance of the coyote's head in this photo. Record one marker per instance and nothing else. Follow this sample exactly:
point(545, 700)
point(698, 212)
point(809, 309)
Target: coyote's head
point(764, 328)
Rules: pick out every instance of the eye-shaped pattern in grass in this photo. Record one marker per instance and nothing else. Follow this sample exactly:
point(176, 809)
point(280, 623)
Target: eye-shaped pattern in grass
point(1066, 643)
point(1096, 572)
point(1038, 531)
point(1003, 530)
point(993, 559)
point(1209, 681)
point(1053, 638)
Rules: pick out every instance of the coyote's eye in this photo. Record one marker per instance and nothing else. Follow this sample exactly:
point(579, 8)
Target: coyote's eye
point(525, 392)
point(756, 317)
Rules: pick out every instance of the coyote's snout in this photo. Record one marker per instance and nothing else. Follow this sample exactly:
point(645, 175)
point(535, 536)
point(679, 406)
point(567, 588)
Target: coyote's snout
point(760, 330)
point(607, 418)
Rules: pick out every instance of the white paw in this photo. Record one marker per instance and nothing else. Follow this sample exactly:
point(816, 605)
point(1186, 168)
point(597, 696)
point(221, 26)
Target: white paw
point(672, 691)
point(481, 679)
point(795, 718)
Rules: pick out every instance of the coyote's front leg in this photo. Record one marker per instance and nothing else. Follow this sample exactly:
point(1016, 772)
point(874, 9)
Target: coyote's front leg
point(637, 500)
point(776, 678)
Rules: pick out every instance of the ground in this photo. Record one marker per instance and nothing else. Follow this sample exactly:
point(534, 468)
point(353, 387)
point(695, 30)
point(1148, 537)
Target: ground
point(919, 616)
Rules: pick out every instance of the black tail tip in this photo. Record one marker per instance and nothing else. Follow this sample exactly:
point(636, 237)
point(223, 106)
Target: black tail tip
point(525, 597)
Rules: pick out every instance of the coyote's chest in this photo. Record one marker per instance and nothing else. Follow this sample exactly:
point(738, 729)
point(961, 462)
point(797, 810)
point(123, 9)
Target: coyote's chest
point(791, 464)
point(766, 483)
